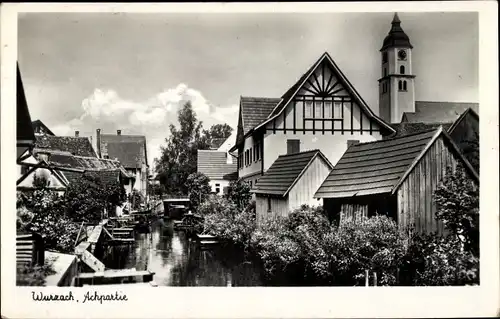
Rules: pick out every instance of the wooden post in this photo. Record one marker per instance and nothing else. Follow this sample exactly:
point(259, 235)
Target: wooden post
point(374, 278)
point(367, 275)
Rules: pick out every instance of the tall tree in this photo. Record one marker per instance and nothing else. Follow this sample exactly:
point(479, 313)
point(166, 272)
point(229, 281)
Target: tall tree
point(219, 131)
point(178, 158)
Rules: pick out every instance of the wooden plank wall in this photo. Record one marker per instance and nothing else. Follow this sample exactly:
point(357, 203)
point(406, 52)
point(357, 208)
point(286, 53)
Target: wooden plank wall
point(415, 195)
point(308, 184)
point(354, 211)
point(279, 207)
point(29, 249)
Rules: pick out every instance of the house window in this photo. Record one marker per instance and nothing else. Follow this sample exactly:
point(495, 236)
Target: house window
point(250, 154)
point(328, 110)
point(308, 109)
point(217, 188)
point(317, 109)
point(337, 110)
point(384, 57)
point(269, 204)
point(257, 152)
point(400, 85)
point(402, 69)
point(385, 71)
point(293, 146)
point(404, 85)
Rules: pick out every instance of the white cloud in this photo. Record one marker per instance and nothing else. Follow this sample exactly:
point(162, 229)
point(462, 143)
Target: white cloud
point(105, 109)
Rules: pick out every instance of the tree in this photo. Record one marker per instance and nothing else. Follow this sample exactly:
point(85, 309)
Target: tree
point(199, 189)
point(44, 212)
point(87, 196)
point(457, 201)
point(219, 131)
point(239, 194)
point(179, 157)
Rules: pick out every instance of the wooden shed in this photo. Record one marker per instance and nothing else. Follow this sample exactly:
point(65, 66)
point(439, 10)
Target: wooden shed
point(396, 177)
point(290, 182)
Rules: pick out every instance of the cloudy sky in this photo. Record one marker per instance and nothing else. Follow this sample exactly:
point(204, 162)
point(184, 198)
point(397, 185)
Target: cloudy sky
point(84, 71)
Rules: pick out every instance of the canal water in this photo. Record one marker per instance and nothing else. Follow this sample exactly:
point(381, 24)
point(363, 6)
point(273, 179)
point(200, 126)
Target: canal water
point(178, 261)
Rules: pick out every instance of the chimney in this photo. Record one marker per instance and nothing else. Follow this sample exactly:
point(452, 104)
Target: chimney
point(118, 132)
point(77, 133)
point(98, 142)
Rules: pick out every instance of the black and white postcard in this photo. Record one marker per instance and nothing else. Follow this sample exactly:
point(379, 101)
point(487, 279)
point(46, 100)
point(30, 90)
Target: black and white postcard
point(250, 160)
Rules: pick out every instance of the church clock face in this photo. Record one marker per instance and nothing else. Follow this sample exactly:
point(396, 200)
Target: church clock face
point(402, 54)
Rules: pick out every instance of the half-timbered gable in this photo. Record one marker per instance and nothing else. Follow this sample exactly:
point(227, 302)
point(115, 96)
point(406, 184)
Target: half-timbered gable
point(321, 111)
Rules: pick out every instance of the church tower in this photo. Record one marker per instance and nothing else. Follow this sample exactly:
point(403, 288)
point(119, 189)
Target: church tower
point(397, 83)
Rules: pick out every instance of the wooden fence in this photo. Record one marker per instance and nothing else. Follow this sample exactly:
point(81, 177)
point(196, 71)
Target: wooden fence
point(30, 249)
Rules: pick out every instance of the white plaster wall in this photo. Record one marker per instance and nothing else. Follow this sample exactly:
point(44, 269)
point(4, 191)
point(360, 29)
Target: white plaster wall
point(223, 183)
point(332, 146)
point(255, 166)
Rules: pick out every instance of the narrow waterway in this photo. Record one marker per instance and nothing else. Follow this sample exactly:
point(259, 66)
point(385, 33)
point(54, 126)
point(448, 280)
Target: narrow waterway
point(178, 261)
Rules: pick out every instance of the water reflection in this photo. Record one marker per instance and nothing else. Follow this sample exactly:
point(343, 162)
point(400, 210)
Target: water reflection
point(178, 261)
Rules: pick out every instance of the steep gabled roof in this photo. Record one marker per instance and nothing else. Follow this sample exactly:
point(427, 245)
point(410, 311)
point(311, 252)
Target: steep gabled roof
point(381, 166)
point(24, 130)
point(285, 172)
point(290, 94)
point(44, 165)
point(80, 146)
point(461, 117)
point(438, 112)
point(255, 110)
point(214, 165)
point(38, 126)
point(130, 150)
point(406, 128)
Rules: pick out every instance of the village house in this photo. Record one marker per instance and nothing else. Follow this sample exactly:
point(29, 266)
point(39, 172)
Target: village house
point(289, 183)
point(323, 110)
point(218, 165)
point(395, 177)
point(130, 151)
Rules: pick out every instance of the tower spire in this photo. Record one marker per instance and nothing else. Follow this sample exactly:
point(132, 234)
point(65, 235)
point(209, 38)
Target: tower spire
point(396, 20)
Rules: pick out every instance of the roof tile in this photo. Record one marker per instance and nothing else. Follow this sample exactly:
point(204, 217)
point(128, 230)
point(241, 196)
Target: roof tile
point(130, 150)
point(438, 112)
point(79, 146)
point(374, 167)
point(284, 172)
point(214, 165)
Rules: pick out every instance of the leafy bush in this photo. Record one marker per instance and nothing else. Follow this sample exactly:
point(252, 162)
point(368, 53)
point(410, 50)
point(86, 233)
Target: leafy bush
point(304, 244)
point(239, 193)
point(225, 221)
point(87, 196)
point(33, 275)
point(439, 261)
point(457, 201)
point(199, 189)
